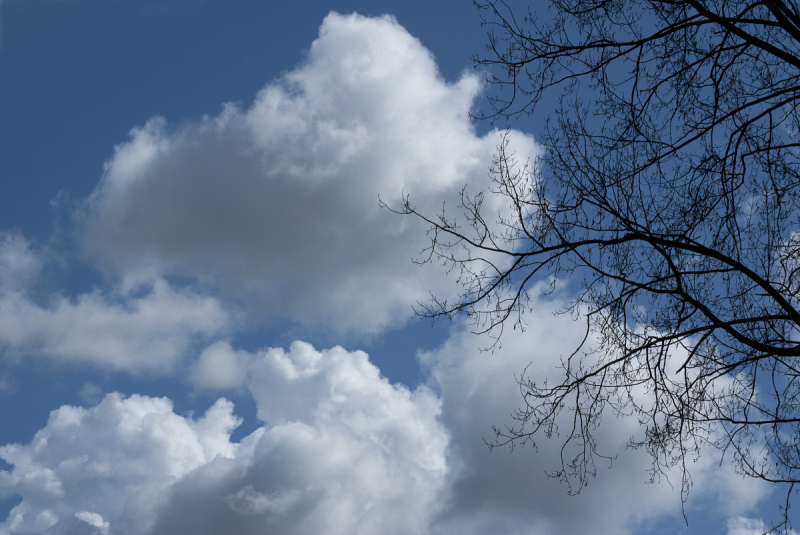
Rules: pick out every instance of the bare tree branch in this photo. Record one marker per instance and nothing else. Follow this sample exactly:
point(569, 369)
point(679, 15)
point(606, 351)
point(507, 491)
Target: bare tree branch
point(670, 191)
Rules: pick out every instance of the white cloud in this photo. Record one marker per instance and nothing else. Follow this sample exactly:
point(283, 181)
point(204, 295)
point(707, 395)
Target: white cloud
point(94, 520)
point(18, 264)
point(353, 454)
point(278, 204)
point(220, 366)
point(110, 465)
point(147, 327)
point(149, 333)
point(501, 492)
point(739, 525)
point(344, 451)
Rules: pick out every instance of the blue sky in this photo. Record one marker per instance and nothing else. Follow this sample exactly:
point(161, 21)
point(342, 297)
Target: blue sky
point(205, 317)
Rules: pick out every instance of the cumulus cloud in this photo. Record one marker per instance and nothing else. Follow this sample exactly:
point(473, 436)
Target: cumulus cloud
point(496, 491)
point(111, 465)
point(341, 450)
point(138, 328)
point(501, 492)
point(353, 454)
point(278, 203)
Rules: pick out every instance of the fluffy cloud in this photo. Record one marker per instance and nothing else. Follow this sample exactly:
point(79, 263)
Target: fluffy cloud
point(278, 204)
point(342, 451)
point(111, 463)
point(501, 492)
point(221, 367)
point(138, 328)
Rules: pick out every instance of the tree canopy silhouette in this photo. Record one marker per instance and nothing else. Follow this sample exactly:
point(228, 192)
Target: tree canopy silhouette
point(670, 191)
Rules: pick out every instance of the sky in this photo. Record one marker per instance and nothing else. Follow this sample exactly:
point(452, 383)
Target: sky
point(206, 318)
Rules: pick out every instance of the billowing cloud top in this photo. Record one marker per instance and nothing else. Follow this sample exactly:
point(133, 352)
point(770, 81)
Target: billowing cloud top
point(341, 451)
point(279, 203)
point(344, 452)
